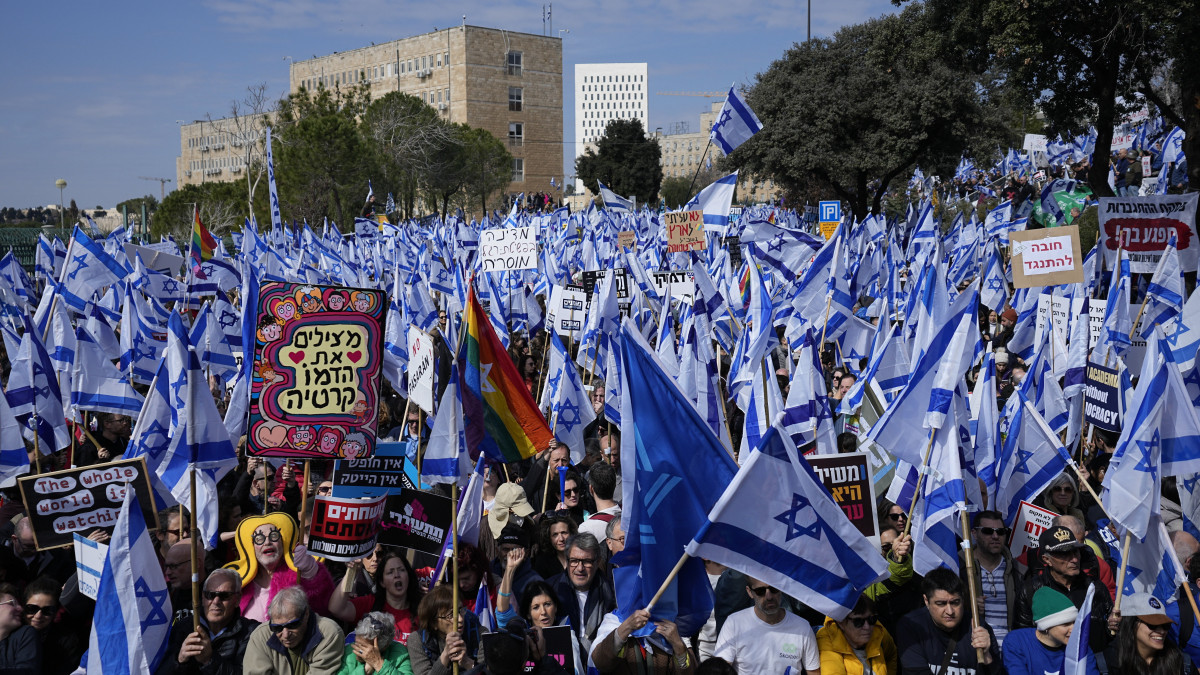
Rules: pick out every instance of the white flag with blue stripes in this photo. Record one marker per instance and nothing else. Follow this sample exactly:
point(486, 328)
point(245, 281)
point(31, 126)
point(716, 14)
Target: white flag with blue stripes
point(133, 605)
point(735, 125)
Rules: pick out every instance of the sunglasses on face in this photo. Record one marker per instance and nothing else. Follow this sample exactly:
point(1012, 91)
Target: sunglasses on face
point(989, 531)
point(218, 595)
point(571, 492)
point(860, 621)
point(291, 625)
point(762, 590)
point(897, 516)
point(324, 490)
point(1063, 488)
point(32, 609)
point(259, 538)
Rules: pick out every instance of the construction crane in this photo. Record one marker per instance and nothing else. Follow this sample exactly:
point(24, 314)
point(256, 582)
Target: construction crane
point(703, 94)
point(162, 186)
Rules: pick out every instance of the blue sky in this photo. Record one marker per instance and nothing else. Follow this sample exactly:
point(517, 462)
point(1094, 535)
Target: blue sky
point(90, 92)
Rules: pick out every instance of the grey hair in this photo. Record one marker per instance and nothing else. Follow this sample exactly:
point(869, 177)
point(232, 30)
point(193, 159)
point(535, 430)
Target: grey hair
point(375, 625)
point(291, 596)
point(229, 575)
point(611, 528)
point(585, 541)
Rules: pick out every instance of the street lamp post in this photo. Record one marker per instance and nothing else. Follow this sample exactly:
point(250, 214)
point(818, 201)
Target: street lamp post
point(62, 212)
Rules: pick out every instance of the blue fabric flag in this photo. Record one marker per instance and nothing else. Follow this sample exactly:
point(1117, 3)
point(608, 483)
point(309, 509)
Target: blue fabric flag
point(735, 125)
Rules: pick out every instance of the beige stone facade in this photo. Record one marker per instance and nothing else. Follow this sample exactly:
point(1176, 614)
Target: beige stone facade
point(218, 150)
point(506, 82)
point(682, 154)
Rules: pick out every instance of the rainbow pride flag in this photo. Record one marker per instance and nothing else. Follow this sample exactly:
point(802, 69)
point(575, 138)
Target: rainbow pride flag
point(501, 418)
point(203, 244)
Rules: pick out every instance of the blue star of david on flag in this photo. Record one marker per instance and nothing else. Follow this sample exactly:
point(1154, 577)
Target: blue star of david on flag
point(1146, 462)
point(1023, 457)
point(791, 519)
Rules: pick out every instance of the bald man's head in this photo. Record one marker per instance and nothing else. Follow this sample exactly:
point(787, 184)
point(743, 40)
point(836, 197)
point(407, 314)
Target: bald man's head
point(177, 564)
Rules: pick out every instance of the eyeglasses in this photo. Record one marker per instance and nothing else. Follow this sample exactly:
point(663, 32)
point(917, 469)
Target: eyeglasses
point(860, 621)
point(571, 493)
point(989, 531)
point(174, 566)
point(32, 609)
point(1062, 488)
point(324, 490)
point(897, 516)
point(582, 562)
point(619, 540)
point(10, 601)
point(446, 617)
point(218, 595)
point(259, 538)
point(270, 478)
point(762, 590)
point(1065, 555)
point(291, 625)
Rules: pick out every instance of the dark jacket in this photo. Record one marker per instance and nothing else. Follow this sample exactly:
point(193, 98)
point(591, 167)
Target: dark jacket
point(63, 645)
point(21, 652)
point(923, 646)
point(600, 601)
point(228, 649)
point(1101, 604)
point(524, 576)
point(252, 505)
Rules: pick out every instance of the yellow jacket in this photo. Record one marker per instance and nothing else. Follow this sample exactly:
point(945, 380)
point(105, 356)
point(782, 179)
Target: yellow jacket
point(838, 658)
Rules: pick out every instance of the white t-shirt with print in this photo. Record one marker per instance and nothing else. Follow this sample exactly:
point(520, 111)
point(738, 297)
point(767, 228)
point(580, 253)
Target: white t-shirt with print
point(756, 647)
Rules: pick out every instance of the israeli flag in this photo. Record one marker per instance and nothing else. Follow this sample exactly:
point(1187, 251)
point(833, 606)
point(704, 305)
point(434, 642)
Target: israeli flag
point(1153, 566)
point(14, 459)
point(446, 457)
point(133, 606)
point(563, 394)
point(1079, 659)
point(735, 125)
point(96, 384)
point(88, 267)
point(613, 201)
point(1164, 296)
point(714, 200)
point(803, 545)
point(1030, 459)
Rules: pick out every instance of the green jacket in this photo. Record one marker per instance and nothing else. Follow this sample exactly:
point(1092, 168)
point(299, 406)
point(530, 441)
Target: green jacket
point(395, 661)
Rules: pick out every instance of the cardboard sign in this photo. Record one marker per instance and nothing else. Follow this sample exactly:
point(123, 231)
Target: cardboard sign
point(828, 229)
point(1102, 397)
point(417, 520)
point(1046, 257)
point(627, 239)
point(848, 479)
point(685, 230)
point(1144, 225)
point(344, 529)
point(89, 561)
point(84, 499)
point(1056, 312)
point(681, 284)
point(318, 355)
point(1031, 522)
point(508, 248)
point(567, 310)
point(381, 474)
point(420, 369)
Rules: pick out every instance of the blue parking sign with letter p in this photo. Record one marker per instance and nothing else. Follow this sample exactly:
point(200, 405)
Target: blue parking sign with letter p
point(831, 212)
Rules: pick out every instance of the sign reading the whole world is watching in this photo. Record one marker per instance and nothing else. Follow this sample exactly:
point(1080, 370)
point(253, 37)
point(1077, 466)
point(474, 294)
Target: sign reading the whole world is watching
point(318, 355)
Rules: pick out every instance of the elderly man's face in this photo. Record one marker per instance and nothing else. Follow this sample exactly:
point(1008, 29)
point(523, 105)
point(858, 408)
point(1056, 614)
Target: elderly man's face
point(220, 601)
point(288, 624)
point(581, 567)
point(177, 566)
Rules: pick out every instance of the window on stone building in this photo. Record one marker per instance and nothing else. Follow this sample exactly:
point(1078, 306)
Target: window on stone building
point(515, 99)
point(518, 170)
point(516, 134)
point(515, 62)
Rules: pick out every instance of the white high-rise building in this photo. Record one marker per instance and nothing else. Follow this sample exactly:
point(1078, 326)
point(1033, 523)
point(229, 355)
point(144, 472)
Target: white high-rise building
point(603, 92)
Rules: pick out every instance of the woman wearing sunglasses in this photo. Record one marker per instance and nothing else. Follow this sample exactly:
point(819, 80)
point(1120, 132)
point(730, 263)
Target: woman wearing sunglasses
point(440, 642)
point(62, 643)
point(845, 644)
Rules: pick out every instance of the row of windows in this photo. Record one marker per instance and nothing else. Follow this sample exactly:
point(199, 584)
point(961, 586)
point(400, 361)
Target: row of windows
point(223, 137)
point(614, 97)
point(612, 105)
point(600, 123)
point(377, 73)
point(614, 78)
point(216, 163)
point(612, 87)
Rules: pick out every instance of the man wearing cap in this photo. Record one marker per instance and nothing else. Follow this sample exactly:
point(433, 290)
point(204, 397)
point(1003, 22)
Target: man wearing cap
point(508, 508)
point(1042, 650)
point(1060, 552)
point(512, 538)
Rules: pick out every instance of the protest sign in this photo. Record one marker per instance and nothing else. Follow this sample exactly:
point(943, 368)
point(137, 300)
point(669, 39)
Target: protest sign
point(1031, 522)
point(89, 561)
point(685, 230)
point(627, 239)
point(680, 283)
point(508, 248)
point(1046, 257)
point(734, 246)
point(84, 499)
point(558, 647)
point(417, 520)
point(592, 278)
point(156, 259)
point(828, 228)
point(317, 360)
point(380, 474)
point(1144, 225)
point(567, 310)
point(344, 529)
point(848, 479)
point(420, 369)
point(1101, 397)
point(1056, 311)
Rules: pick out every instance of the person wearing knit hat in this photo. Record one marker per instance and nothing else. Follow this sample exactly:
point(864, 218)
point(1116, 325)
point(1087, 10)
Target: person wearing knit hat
point(1042, 650)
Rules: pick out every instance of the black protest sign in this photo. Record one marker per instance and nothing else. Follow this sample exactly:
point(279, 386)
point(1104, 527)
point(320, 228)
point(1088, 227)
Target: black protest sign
point(848, 479)
point(382, 474)
point(417, 520)
point(344, 529)
point(1101, 394)
point(84, 499)
point(558, 647)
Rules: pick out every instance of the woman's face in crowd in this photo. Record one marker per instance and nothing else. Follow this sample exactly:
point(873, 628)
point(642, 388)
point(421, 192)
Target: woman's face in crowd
point(48, 606)
point(1062, 495)
point(395, 578)
point(542, 611)
point(559, 534)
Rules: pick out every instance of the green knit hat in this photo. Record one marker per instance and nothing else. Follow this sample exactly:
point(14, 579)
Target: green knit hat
point(1051, 608)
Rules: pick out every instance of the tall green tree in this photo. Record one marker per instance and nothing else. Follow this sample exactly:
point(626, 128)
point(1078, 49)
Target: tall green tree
point(487, 165)
point(324, 161)
point(409, 138)
point(625, 160)
point(848, 115)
